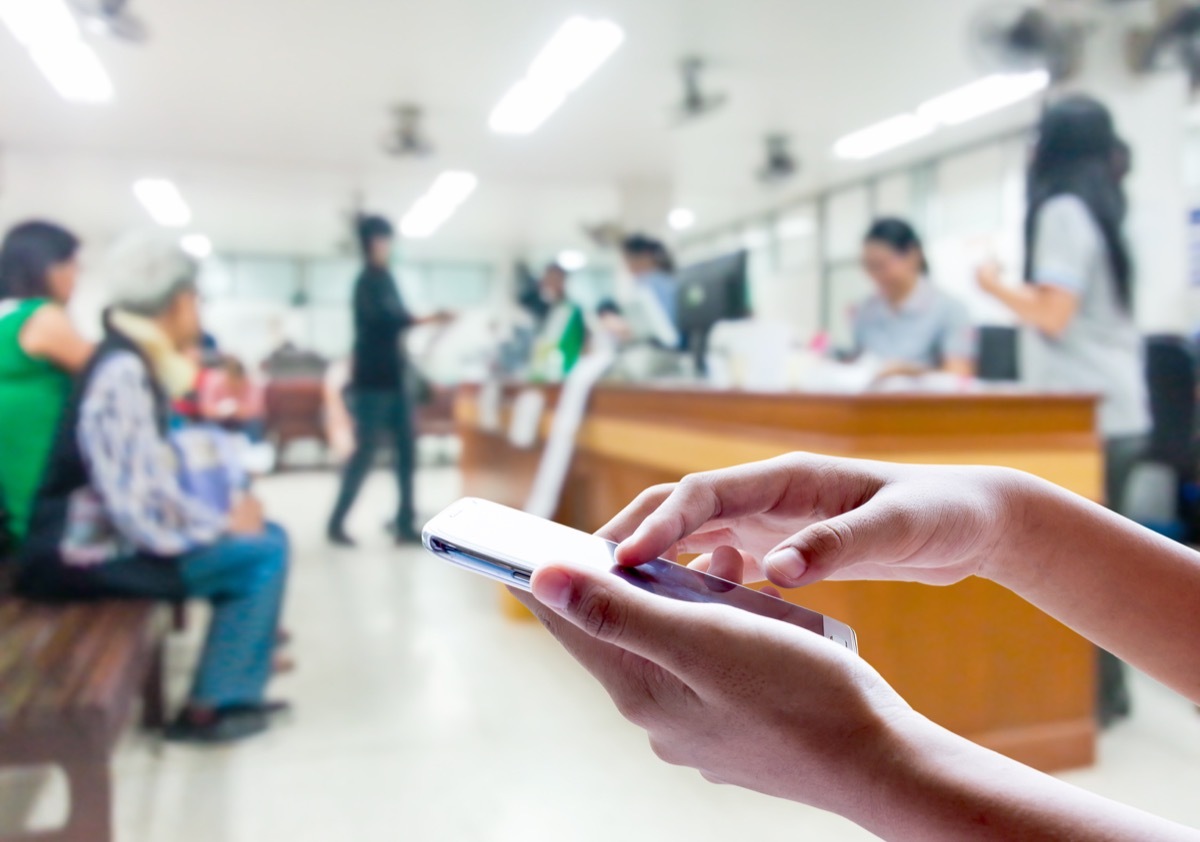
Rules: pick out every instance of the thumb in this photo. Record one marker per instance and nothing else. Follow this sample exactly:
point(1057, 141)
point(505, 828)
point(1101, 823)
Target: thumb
point(615, 612)
point(869, 533)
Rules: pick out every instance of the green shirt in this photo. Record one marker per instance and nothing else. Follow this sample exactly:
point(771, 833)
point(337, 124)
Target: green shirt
point(33, 393)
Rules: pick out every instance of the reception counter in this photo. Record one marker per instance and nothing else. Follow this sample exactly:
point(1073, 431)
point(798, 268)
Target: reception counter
point(972, 657)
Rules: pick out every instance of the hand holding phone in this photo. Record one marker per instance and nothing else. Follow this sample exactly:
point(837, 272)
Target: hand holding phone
point(509, 546)
point(744, 700)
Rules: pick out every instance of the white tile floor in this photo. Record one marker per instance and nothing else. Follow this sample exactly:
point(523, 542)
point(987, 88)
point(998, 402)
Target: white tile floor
point(422, 714)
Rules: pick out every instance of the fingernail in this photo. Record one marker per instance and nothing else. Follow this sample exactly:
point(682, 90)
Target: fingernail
point(787, 563)
point(623, 554)
point(552, 589)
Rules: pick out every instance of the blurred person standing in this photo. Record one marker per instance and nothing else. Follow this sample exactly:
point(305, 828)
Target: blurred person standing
point(378, 393)
point(909, 324)
point(562, 333)
point(1077, 299)
point(40, 350)
point(654, 310)
point(112, 518)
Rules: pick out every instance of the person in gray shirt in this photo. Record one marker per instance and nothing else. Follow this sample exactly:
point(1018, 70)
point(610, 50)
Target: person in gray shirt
point(909, 324)
point(1076, 302)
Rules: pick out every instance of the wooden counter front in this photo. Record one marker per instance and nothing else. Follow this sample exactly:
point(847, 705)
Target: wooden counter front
point(972, 657)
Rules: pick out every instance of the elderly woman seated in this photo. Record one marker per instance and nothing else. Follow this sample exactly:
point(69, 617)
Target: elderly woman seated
point(113, 518)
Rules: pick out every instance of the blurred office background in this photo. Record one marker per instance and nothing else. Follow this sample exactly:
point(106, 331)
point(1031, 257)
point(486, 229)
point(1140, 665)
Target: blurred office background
point(276, 123)
point(781, 128)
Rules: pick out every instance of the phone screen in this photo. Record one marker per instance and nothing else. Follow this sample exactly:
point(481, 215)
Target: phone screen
point(508, 545)
point(677, 582)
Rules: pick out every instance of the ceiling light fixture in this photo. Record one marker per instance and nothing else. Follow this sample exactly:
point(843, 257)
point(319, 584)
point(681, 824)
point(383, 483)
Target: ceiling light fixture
point(984, 96)
point(796, 227)
point(49, 32)
point(991, 93)
point(196, 245)
point(882, 137)
point(569, 58)
point(681, 219)
point(163, 201)
point(525, 107)
point(571, 260)
point(438, 204)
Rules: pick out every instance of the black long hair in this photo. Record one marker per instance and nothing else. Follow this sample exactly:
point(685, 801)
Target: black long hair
point(1079, 154)
point(899, 236)
point(28, 253)
point(640, 245)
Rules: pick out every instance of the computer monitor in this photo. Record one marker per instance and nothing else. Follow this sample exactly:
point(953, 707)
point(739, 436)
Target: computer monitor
point(710, 292)
point(998, 356)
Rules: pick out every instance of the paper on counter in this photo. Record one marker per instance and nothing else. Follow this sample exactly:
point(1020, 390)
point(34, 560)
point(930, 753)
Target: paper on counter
point(568, 418)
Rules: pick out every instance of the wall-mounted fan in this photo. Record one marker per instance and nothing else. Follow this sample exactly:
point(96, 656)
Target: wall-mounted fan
point(1018, 38)
point(603, 235)
point(111, 19)
point(780, 164)
point(1174, 43)
point(1014, 37)
point(696, 102)
point(348, 219)
point(407, 138)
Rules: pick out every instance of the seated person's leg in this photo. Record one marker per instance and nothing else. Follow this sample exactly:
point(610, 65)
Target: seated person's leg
point(244, 578)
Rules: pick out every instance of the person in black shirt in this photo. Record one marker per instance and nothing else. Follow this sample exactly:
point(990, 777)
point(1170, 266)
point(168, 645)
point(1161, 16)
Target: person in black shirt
point(378, 395)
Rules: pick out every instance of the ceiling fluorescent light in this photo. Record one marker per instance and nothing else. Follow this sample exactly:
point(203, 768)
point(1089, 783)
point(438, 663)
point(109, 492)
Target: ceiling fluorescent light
point(39, 22)
point(525, 107)
point(49, 32)
point(681, 219)
point(74, 71)
point(571, 55)
point(575, 52)
point(571, 260)
point(163, 202)
point(882, 137)
point(796, 227)
point(196, 245)
point(438, 204)
point(984, 96)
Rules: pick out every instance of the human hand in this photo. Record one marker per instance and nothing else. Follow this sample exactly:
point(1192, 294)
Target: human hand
point(989, 277)
point(743, 699)
point(246, 516)
point(802, 518)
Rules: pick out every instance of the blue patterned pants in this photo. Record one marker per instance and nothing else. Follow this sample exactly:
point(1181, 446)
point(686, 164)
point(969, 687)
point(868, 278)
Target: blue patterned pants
point(243, 577)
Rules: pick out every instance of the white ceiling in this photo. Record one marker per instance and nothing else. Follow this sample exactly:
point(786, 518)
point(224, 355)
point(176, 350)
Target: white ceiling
point(269, 113)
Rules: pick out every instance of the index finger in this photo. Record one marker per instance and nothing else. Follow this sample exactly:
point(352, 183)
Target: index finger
point(631, 517)
point(699, 499)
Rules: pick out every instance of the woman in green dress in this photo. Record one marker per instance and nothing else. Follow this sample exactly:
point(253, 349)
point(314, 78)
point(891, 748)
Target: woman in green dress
point(40, 350)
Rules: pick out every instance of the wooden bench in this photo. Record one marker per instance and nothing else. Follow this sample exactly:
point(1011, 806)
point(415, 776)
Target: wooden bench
point(70, 675)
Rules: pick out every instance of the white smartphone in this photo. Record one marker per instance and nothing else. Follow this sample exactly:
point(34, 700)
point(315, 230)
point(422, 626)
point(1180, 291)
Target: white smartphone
point(509, 545)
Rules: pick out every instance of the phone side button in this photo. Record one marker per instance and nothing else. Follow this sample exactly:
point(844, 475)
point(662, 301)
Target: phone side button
point(521, 576)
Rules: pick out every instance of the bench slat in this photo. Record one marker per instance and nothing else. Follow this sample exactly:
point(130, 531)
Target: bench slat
point(73, 662)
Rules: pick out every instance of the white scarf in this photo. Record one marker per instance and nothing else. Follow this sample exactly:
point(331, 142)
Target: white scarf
point(174, 371)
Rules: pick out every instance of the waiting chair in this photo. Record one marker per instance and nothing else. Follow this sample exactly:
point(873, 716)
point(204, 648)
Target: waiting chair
point(1162, 483)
